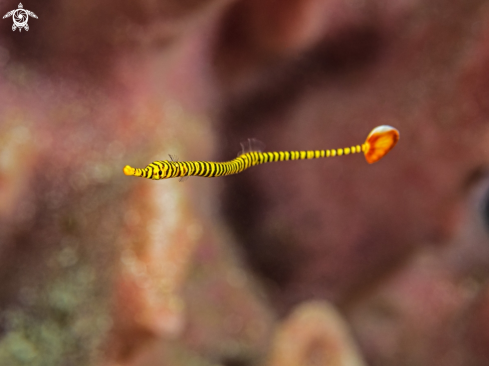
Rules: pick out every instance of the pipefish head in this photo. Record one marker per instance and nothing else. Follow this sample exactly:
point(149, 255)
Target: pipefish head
point(160, 169)
point(379, 142)
point(163, 172)
point(156, 170)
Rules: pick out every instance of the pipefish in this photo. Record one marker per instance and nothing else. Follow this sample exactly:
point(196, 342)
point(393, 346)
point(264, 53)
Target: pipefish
point(378, 143)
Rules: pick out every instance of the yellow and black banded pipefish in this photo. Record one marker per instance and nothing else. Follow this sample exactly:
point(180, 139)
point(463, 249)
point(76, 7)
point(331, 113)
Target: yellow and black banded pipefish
point(378, 143)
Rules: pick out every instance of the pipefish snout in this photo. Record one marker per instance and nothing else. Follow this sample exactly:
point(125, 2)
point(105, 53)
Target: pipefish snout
point(378, 143)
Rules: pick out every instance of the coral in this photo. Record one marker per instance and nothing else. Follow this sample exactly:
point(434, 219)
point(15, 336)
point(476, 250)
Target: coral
point(314, 334)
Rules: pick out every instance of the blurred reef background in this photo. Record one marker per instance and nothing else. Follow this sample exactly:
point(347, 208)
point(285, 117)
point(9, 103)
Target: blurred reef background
point(327, 262)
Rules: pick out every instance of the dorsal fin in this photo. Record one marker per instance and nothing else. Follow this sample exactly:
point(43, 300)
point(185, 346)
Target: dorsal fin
point(173, 158)
point(251, 145)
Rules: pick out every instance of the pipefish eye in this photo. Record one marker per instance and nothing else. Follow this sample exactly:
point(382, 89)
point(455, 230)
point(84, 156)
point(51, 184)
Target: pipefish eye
point(161, 173)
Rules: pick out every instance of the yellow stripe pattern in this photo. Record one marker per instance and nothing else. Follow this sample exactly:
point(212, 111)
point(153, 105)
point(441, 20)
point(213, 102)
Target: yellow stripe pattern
point(378, 143)
point(163, 169)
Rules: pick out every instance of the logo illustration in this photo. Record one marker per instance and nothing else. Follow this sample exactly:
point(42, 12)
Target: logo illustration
point(20, 17)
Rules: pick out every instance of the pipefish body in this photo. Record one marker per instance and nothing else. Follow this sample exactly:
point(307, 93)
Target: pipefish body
point(378, 143)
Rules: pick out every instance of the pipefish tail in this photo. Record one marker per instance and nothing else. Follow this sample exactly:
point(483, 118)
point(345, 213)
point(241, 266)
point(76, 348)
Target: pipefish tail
point(378, 143)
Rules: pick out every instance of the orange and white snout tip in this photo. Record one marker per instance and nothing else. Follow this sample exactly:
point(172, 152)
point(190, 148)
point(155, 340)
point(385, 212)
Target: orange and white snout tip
point(129, 170)
point(379, 142)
